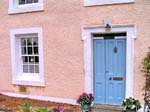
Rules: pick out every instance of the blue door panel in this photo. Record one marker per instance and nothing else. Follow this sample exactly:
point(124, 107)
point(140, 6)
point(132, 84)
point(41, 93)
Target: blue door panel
point(99, 71)
point(108, 66)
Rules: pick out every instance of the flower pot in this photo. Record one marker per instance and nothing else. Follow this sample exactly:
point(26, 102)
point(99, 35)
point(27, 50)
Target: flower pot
point(86, 108)
point(130, 111)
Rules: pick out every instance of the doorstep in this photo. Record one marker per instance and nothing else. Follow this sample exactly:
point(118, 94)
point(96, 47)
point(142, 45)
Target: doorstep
point(107, 108)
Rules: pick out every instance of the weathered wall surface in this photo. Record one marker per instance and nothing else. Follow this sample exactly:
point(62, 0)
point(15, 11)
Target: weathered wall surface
point(61, 21)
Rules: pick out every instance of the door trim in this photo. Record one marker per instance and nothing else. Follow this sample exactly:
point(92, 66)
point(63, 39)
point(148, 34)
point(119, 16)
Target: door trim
point(130, 30)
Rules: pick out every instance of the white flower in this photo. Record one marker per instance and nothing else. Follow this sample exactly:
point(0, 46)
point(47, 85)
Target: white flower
point(133, 106)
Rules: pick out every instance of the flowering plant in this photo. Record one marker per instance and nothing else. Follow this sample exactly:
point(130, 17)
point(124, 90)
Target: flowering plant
point(85, 99)
point(58, 109)
point(131, 104)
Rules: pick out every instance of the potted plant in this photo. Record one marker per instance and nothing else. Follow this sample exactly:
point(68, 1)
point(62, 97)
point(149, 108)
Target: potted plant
point(131, 104)
point(85, 100)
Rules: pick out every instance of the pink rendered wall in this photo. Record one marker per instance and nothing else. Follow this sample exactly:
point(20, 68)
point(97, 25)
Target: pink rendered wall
point(63, 48)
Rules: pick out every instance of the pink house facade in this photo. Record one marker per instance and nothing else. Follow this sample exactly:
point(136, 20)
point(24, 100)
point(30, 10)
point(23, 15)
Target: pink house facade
point(51, 48)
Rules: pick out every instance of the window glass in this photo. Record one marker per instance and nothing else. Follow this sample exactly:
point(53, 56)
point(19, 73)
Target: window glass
point(30, 55)
point(22, 2)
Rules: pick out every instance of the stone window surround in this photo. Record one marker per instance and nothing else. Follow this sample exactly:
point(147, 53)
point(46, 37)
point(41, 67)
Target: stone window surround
point(105, 2)
point(14, 7)
point(17, 76)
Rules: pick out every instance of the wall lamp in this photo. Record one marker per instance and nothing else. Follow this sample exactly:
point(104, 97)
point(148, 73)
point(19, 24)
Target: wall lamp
point(108, 24)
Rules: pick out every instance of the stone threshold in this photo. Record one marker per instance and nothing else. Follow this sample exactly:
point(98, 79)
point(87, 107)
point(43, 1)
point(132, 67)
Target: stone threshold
point(107, 108)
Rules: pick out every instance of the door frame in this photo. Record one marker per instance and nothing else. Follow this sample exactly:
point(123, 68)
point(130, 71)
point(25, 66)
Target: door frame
point(130, 31)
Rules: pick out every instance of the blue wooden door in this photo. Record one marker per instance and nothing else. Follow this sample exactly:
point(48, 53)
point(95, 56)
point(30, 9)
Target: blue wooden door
point(109, 71)
point(99, 71)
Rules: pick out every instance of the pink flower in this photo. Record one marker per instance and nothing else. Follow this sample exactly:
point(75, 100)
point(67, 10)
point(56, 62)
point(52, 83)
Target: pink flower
point(85, 98)
point(91, 96)
point(79, 98)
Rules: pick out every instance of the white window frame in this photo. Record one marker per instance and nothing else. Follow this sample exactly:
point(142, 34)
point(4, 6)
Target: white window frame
point(14, 7)
point(18, 77)
point(88, 55)
point(105, 2)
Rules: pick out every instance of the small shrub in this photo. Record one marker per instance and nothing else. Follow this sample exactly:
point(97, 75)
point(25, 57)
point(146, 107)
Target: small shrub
point(41, 110)
point(146, 71)
point(131, 104)
point(25, 107)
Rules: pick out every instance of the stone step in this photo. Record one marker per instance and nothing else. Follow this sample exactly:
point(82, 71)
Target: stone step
point(107, 108)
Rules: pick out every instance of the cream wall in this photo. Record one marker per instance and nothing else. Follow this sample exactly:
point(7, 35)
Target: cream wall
point(63, 48)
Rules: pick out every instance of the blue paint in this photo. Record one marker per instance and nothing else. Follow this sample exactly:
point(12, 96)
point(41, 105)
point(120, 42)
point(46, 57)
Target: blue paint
point(107, 66)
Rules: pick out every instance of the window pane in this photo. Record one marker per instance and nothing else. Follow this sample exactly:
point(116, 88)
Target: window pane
point(35, 1)
point(23, 42)
point(36, 68)
point(31, 60)
point(25, 68)
point(21, 2)
point(36, 50)
point(30, 50)
point(23, 50)
point(36, 59)
point(35, 41)
point(29, 1)
point(29, 41)
point(25, 59)
point(31, 68)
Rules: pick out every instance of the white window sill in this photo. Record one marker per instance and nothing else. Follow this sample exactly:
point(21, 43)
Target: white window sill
point(26, 8)
point(105, 2)
point(33, 80)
